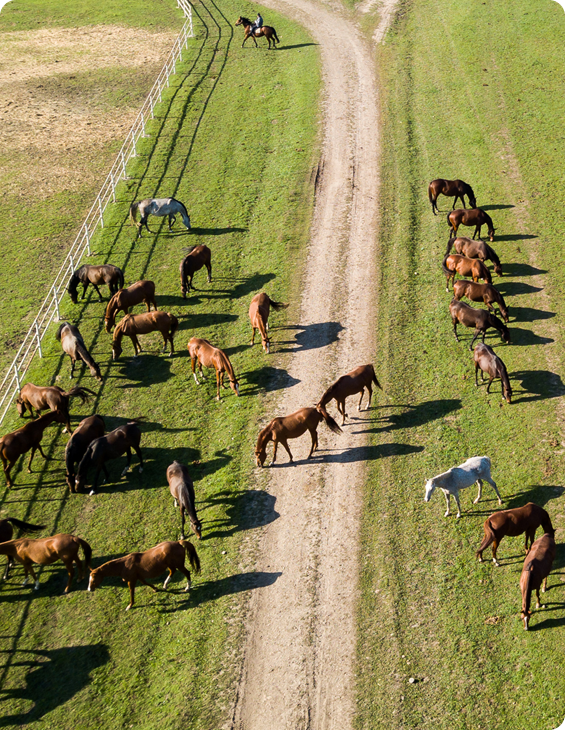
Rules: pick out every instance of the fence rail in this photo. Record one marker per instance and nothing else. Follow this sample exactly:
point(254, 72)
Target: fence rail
point(49, 310)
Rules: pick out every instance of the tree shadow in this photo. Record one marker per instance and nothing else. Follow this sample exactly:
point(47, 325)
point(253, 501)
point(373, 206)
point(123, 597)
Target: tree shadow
point(415, 416)
point(311, 336)
point(529, 314)
point(267, 379)
point(502, 206)
point(245, 510)
point(539, 385)
point(539, 494)
point(522, 270)
point(523, 338)
point(514, 288)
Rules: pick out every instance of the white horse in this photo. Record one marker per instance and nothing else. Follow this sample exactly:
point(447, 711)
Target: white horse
point(159, 207)
point(475, 469)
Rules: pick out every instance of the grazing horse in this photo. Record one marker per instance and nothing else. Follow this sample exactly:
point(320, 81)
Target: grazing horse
point(150, 564)
point(279, 430)
point(159, 207)
point(86, 432)
point(481, 320)
point(140, 324)
point(354, 382)
point(15, 444)
point(476, 469)
point(486, 293)
point(111, 446)
point(513, 522)
point(537, 567)
point(125, 299)
point(259, 316)
point(182, 489)
point(475, 250)
point(487, 361)
point(197, 257)
point(95, 275)
point(473, 217)
point(455, 264)
point(450, 188)
point(47, 550)
point(265, 31)
point(52, 397)
point(203, 353)
point(72, 343)
point(7, 533)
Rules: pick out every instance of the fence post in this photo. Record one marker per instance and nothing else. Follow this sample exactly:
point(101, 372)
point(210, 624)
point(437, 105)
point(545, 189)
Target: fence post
point(133, 154)
point(87, 234)
point(38, 339)
point(123, 164)
point(56, 303)
point(18, 382)
point(101, 213)
point(113, 184)
point(72, 262)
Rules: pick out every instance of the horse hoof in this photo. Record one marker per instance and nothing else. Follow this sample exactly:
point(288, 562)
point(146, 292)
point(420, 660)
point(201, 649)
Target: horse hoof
point(92, 492)
point(128, 608)
point(141, 470)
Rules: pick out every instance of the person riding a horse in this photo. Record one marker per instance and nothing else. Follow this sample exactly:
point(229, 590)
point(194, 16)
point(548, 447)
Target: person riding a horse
point(257, 24)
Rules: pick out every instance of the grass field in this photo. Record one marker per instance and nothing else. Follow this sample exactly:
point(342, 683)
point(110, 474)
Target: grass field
point(236, 139)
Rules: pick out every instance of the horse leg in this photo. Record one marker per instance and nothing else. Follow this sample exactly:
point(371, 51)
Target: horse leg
point(8, 566)
point(284, 442)
point(186, 574)
point(492, 483)
point(172, 352)
point(448, 502)
point(218, 385)
point(209, 268)
point(84, 288)
point(131, 584)
point(253, 336)
point(147, 583)
point(171, 573)
point(183, 519)
point(275, 446)
point(477, 231)
point(314, 437)
point(73, 363)
point(128, 456)
point(455, 330)
point(495, 545)
point(71, 571)
point(454, 201)
point(544, 587)
point(476, 371)
point(31, 459)
point(140, 457)
point(477, 333)
point(29, 569)
point(171, 221)
point(490, 383)
point(479, 495)
point(456, 497)
point(193, 365)
point(97, 291)
point(165, 339)
point(361, 398)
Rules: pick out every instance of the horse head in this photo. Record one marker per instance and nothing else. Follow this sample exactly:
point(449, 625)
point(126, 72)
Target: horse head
point(429, 487)
point(197, 527)
point(20, 405)
point(234, 384)
point(239, 21)
point(260, 456)
point(116, 349)
point(71, 481)
point(95, 580)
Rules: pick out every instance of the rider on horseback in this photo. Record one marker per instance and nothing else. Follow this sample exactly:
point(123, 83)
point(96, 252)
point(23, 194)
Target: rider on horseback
point(257, 24)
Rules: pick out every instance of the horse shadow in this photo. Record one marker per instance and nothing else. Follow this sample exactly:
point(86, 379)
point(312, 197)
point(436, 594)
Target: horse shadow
point(538, 384)
point(539, 494)
point(247, 285)
point(529, 314)
point(235, 350)
point(297, 45)
point(268, 379)
point(548, 623)
point(311, 336)
point(209, 319)
point(516, 237)
point(514, 288)
point(357, 453)
point(522, 270)
point(217, 231)
point(144, 370)
point(199, 469)
point(244, 509)
point(502, 206)
point(523, 338)
point(415, 416)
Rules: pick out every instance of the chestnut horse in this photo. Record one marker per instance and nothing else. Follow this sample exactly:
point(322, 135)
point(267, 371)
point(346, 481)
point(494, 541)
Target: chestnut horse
point(203, 353)
point(265, 31)
point(473, 217)
point(141, 324)
point(354, 382)
point(95, 275)
point(7, 533)
point(279, 430)
point(462, 313)
point(453, 264)
point(486, 293)
point(197, 257)
point(150, 564)
point(537, 567)
point(52, 397)
point(259, 316)
point(181, 487)
point(475, 250)
point(450, 188)
point(487, 361)
point(86, 432)
point(125, 299)
point(513, 522)
point(72, 343)
point(47, 550)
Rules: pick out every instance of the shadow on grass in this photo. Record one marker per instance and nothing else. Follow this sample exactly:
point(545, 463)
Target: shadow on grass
point(539, 494)
point(516, 237)
point(267, 379)
point(522, 270)
point(501, 206)
point(216, 231)
point(415, 416)
point(245, 510)
point(514, 288)
point(529, 314)
point(358, 453)
point(297, 45)
point(145, 369)
point(310, 337)
point(548, 623)
point(523, 338)
point(538, 384)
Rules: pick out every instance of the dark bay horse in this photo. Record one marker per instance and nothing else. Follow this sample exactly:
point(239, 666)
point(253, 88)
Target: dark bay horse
point(537, 567)
point(95, 275)
point(125, 299)
point(265, 31)
point(181, 487)
point(480, 319)
point(475, 250)
point(196, 258)
point(141, 324)
point(203, 353)
point(513, 522)
point(473, 217)
point(487, 361)
point(7, 533)
point(259, 315)
point(159, 207)
point(72, 343)
point(150, 564)
point(52, 398)
point(486, 293)
point(86, 432)
point(453, 264)
point(354, 382)
point(450, 188)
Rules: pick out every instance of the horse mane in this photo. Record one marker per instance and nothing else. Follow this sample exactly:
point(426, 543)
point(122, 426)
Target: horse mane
point(265, 435)
point(326, 397)
point(112, 306)
point(188, 250)
point(81, 271)
point(60, 329)
point(245, 21)
point(449, 246)
point(228, 366)
point(493, 257)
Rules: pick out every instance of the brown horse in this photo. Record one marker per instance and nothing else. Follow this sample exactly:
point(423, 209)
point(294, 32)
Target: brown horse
point(95, 275)
point(72, 343)
point(462, 313)
point(203, 353)
point(265, 31)
point(150, 564)
point(197, 257)
point(181, 487)
point(453, 264)
point(486, 293)
point(86, 432)
point(52, 397)
point(15, 444)
point(279, 430)
point(47, 550)
point(7, 533)
point(354, 382)
point(259, 316)
point(125, 299)
point(513, 522)
point(140, 324)
point(473, 217)
point(487, 361)
point(537, 567)
point(450, 188)
point(475, 250)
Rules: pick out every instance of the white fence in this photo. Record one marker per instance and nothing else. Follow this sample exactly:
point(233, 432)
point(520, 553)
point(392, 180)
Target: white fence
point(49, 310)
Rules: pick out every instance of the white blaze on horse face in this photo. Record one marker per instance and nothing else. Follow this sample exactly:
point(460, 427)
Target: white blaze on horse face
point(430, 486)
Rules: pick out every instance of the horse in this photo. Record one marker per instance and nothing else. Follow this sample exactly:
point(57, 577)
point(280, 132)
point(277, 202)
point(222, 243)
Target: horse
point(486, 293)
point(279, 430)
point(111, 446)
point(476, 469)
point(259, 316)
point(537, 567)
point(86, 432)
point(182, 489)
point(7, 533)
point(265, 31)
point(15, 444)
point(123, 300)
point(450, 188)
point(473, 217)
point(158, 207)
point(203, 353)
point(513, 522)
point(72, 343)
point(52, 397)
point(475, 250)
point(140, 324)
point(455, 264)
point(150, 564)
point(487, 361)
point(47, 550)
point(197, 257)
point(480, 319)
point(95, 275)
point(354, 382)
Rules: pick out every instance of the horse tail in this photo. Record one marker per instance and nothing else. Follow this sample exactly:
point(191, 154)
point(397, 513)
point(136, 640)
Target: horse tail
point(489, 537)
point(526, 592)
point(276, 36)
point(449, 246)
point(60, 329)
point(446, 271)
point(277, 305)
point(133, 213)
point(121, 278)
point(26, 527)
point(374, 378)
point(87, 550)
point(331, 424)
point(546, 524)
point(82, 392)
point(190, 550)
point(430, 194)
point(174, 323)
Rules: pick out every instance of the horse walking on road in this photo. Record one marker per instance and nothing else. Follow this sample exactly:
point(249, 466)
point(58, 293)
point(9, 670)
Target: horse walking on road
point(511, 523)
point(487, 361)
point(475, 250)
point(72, 343)
point(450, 188)
point(95, 275)
point(181, 487)
point(141, 324)
point(486, 293)
point(159, 207)
point(196, 258)
point(259, 315)
point(473, 217)
point(354, 382)
point(125, 299)
point(537, 567)
point(265, 31)
point(203, 353)
point(480, 319)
